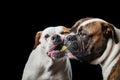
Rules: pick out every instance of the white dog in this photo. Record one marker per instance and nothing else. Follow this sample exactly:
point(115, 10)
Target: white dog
point(47, 61)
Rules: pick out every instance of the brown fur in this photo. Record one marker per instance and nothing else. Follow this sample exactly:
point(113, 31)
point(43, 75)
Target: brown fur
point(115, 73)
point(37, 37)
point(98, 32)
point(95, 29)
point(66, 30)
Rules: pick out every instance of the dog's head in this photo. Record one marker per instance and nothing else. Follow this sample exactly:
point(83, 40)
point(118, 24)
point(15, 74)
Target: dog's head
point(52, 39)
point(89, 38)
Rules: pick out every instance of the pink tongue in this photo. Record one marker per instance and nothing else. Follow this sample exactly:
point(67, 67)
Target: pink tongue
point(50, 53)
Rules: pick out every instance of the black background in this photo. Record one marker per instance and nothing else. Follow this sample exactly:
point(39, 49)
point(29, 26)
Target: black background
point(21, 24)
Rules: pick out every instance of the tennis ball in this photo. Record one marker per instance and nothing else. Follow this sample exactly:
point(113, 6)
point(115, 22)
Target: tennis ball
point(64, 48)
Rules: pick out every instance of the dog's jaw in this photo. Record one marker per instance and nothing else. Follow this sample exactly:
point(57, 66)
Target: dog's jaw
point(69, 54)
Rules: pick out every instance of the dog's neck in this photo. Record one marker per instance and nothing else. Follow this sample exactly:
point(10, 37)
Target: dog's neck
point(108, 64)
point(109, 58)
point(112, 58)
point(52, 67)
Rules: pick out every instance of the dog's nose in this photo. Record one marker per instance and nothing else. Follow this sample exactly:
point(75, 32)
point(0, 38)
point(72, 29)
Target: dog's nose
point(55, 38)
point(71, 37)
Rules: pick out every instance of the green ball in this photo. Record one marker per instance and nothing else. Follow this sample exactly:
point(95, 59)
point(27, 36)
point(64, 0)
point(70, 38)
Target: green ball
point(64, 48)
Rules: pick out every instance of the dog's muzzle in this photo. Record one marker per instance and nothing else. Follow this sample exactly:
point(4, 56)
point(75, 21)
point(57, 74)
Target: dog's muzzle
point(71, 42)
point(55, 48)
point(56, 39)
point(73, 45)
point(76, 46)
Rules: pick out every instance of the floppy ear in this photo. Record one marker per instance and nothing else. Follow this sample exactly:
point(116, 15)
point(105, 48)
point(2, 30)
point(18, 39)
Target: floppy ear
point(37, 37)
point(109, 31)
point(66, 29)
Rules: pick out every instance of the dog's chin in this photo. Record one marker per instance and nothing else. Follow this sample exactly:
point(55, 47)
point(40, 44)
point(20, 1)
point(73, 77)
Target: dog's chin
point(70, 55)
point(75, 51)
point(72, 49)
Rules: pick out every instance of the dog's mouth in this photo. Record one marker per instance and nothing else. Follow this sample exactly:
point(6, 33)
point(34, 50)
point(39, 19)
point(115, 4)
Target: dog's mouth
point(55, 51)
point(72, 49)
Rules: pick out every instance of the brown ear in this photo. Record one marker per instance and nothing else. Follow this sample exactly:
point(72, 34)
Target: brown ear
point(37, 37)
point(66, 29)
point(109, 31)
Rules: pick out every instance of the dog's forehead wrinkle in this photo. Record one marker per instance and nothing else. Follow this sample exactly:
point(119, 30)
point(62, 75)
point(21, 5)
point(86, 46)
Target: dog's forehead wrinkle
point(92, 20)
point(49, 31)
point(58, 29)
point(93, 29)
point(52, 30)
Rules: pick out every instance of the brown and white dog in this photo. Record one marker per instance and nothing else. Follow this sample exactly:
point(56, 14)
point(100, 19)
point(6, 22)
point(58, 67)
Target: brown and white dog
point(96, 41)
point(47, 61)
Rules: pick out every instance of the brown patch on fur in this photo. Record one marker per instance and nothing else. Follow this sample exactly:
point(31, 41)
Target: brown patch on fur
point(92, 28)
point(97, 38)
point(115, 73)
point(109, 30)
point(98, 27)
point(66, 30)
point(37, 37)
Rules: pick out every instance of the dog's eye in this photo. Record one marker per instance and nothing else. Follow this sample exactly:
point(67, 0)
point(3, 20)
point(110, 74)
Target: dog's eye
point(82, 35)
point(47, 35)
point(79, 33)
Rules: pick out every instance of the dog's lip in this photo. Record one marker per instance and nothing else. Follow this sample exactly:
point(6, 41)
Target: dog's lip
point(69, 54)
point(54, 48)
point(66, 52)
point(51, 53)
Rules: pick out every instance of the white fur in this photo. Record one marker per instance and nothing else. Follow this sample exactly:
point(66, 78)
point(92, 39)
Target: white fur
point(39, 63)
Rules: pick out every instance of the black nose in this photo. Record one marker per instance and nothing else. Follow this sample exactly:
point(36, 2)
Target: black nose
point(71, 37)
point(56, 38)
